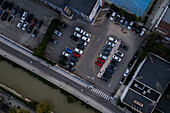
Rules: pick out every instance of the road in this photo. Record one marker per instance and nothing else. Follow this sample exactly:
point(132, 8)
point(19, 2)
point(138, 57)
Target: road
point(51, 73)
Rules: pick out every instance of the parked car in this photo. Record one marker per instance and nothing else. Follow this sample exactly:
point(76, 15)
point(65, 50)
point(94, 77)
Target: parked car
point(80, 46)
point(117, 19)
point(4, 16)
point(78, 29)
point(78, 51)
point(113, 16)
point(57, 32)
point(98, 64)
point(68, 50)
point(76, 54)
point(73, 58)
point(116, 58)
point(4, 5)
point(20, 12)
point(65, 54)
point(124, 47)
point(108, 70)
point(108, 48)
point(61, 62)
point(61, 24)
point(106, 76)
point(77, 34)
point(112, 67)
point(24, 15)
point(1, 1)
point(134, 27)
point(110, 43)
point(130, 25)
point(111, 39)
point(125, 24)
point(85, 39)
point(86, 34)
point(30, 17)
point(74, 38)
point(70, 67)
point(114, 62)
point(35, 32)
point(20, 23)
point(103, 56)
point(126, 72)
point(10, 5)
point(122, 80)
point(53, 41)
point(34, 21)
point(24, 27)
point(83, 42)
point(71, 63)
point(11, 18)
point(109, 13)
point(118, 53)
point(143, 31)
point(138, 29)
point(39, 24)
point(1, 11)
point(100, 60)
point(64, 58)
point(30, 28)
point(122, 20)
point(15, 10)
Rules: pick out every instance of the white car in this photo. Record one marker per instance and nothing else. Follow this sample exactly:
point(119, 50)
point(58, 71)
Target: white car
point(85, 39)
point(111, 39)
point(130, 25)
point(65, 54)
point(78, 29)
point(24, 27)
point(102, 56)
point(120, 54)
point(58, 33)
point(112, 16)
point(122, 20)
point(110, 43)
point(116, 58)
point(143, 31)
point(78, 51)
point(77, 34)
point(24, 15)
point(20, 23)
point(86, 34)
point(126, 72)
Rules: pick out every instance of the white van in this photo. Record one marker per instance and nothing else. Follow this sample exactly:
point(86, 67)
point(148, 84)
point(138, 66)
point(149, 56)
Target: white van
point(112, 16)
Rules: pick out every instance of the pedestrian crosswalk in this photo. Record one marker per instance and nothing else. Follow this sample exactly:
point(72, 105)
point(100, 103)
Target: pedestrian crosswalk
point(100, 93)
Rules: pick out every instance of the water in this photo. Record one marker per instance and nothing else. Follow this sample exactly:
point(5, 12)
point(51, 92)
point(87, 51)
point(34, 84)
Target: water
point(36, 90)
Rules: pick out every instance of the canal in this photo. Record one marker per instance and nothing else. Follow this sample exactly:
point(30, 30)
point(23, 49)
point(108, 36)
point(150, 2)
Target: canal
point(36, 90)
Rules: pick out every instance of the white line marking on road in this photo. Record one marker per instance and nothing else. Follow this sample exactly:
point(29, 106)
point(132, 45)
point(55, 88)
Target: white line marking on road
point(109, 85)
point(88, 76)
point(98, 39)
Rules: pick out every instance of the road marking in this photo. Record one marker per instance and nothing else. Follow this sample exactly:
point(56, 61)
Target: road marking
point(88, 76)
point(98, 39)
point(92, 78)
point(109, 85)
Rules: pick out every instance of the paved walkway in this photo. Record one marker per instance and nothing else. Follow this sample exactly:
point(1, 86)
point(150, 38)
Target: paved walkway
point(61, 84)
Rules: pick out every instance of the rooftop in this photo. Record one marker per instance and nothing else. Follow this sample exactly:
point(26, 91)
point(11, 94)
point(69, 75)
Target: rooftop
point(167, 16)
point(84, 6)
point(59, 3)
point(154, 73)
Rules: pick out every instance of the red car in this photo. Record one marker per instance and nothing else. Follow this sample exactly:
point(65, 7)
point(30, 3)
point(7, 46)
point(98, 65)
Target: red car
point(34, 21)
point(76, 54)
point(101, 60)
point(98, 64)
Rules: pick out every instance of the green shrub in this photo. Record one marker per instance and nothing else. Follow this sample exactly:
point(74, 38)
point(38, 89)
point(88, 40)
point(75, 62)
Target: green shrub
point(70, 99)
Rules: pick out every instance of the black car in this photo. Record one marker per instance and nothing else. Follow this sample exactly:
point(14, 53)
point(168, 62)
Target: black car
point(64, 58)
point(61, 62)
point(112, 67)
point(138, 29)
point(74, 38)
point(30, 28)
point(20, 12)
point(30, 17)
point(15, 10)
point(11, 18)
point(4, 5)
point(82, 42)
point(39, 24)
point(124, 47)
point(35, 32)
point(53, 41)
point(114, 62)
point(106, 77)
point(105, 52)
point(4, 16)
point(73, 58)
point(80, 46)
point(10, 5)
point(60, 24)
point(70, 68)
point(109, 13)
point(1, 1)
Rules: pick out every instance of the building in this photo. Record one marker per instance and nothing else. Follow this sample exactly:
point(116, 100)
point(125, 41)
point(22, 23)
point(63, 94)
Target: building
point(147, 85)
point(163, 24)
point(87, 9)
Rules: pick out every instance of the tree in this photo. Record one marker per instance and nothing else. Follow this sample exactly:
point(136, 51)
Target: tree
point(42, 108)
point(13, 110)
point(22, 111)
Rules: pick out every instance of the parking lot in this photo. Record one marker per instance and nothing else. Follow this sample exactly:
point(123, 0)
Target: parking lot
point(85, 67)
